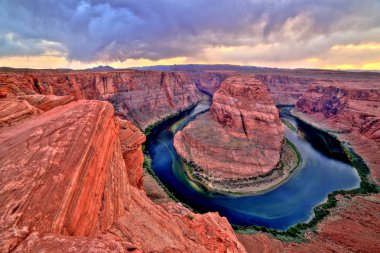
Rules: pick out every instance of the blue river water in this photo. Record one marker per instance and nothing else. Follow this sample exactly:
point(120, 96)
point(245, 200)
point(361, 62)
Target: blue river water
point(324, 169)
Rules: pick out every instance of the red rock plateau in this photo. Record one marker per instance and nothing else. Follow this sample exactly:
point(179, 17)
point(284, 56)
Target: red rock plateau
point(66, 186)
point(351, 112)
point(240, 138)
point(143, 97)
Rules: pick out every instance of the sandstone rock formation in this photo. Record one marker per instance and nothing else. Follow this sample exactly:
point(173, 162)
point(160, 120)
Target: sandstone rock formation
point(131, 140)
point(285, 89)
point(351, 112)
point(14, 111)
point(144, 97)
point(209, 81)
point(46, 102)
point(65, 186)
point(240, 138)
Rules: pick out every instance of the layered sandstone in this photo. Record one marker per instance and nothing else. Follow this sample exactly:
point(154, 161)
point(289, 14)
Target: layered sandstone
point(17, 109)
point(285, 89)
point(351, 112)
point(143, 97)
point(131, 140)
point(64, 185)
point(239, 139)
point(13, 111)
point(209, 81)
point(46, 102)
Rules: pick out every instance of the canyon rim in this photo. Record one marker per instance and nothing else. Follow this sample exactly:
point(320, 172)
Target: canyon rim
point(189, 126)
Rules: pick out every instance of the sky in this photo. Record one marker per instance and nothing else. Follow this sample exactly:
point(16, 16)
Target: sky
point(328, 34)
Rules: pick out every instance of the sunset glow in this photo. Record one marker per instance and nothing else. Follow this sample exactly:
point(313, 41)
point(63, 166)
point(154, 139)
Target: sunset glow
point(82, 34)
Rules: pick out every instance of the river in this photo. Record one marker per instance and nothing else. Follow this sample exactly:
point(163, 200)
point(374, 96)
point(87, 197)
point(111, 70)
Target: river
point(324, 169)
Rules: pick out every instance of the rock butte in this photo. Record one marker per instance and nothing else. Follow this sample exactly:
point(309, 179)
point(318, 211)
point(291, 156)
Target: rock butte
point(68, 188)
point(240, 138)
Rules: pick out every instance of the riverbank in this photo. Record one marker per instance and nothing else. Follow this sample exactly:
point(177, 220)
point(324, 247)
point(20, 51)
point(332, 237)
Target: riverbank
point(290, 160)
point(321, 212)
point(205, 201)
point(367, 183)
point(149, 128)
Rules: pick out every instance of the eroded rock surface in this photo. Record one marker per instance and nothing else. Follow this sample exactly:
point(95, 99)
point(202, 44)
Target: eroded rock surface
point(131, 140)
point(65, 186)
point(285, 89)
point(209, 81)
point(143, 97)
point(241, 136)
point(14, 111)
point(46, 102)
point(351, 112)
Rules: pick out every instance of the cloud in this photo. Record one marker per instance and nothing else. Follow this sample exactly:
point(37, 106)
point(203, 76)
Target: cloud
point(116, 30)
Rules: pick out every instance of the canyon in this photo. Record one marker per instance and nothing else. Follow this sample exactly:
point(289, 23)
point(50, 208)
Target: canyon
point(239, 140)
point(71, 166)
point(349, 111)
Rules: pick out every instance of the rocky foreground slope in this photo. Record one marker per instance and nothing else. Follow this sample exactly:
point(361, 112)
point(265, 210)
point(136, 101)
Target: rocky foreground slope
point(66, 185)
point(351, 112)
point(143, 97)
point(239, 139)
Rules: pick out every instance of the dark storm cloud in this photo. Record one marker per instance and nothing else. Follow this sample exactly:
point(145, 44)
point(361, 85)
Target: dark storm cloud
point(118, 30)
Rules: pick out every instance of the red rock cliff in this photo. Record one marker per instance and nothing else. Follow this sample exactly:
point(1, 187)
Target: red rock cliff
point(285, 89)
point(351, 112)
point(65, 186)
point(143, 97)
point(209, 81)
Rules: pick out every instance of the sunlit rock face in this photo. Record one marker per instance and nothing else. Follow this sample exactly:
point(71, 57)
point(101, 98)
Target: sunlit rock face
point(143, 97)
point(351, 111)
point(241, 136)
point(69, 181)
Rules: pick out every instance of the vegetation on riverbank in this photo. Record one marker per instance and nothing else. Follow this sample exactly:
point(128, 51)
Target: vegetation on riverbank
point(289, 125)
point(147, 165)
point(296, 151)
point(149, 128)
point(296, 233)
point(193, 173)
point(179, 125)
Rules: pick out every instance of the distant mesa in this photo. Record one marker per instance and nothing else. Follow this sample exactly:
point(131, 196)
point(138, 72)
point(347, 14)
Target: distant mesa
point(101, 68)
